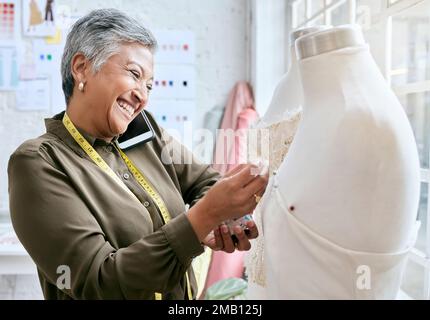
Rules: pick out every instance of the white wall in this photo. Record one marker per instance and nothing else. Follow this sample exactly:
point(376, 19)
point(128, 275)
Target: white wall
point(220, 27)
point(269, 48)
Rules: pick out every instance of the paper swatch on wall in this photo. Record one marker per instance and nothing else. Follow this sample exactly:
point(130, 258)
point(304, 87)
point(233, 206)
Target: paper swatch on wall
point(175, 116)
point(174, 82)
point(64, 16)
point(38, 18)
point(175, 47)
point(33, 94)
point(8, 19)
point(9, 73)
point(47, 58)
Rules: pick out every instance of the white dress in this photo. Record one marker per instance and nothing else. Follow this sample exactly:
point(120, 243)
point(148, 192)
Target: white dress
point(309, 266)
point(340, 223)
point(280, 136)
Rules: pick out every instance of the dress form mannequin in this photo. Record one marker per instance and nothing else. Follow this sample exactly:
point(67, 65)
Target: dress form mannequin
point(288, 95)
point(349, 188)
point(276, 130)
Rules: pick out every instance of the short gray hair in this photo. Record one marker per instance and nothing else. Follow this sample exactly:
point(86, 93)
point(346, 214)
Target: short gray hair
point(98, 36)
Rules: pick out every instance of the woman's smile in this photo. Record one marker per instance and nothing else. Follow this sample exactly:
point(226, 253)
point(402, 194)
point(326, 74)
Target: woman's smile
point(126, 109)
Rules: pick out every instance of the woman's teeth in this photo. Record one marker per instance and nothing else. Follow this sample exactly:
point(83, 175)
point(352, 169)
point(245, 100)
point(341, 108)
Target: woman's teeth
point(129, 110)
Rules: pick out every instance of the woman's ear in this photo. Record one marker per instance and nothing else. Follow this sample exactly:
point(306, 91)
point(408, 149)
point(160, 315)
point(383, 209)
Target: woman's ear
point(80, 68)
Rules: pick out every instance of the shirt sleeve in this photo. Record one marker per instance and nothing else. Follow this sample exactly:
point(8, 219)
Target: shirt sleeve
point(57, 229)
point(195, 178)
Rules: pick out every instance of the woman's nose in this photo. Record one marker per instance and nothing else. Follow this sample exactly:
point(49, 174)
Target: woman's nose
point(140, 95)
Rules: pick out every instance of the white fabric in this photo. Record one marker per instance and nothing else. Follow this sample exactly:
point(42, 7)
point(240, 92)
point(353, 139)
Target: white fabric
point(353, 168)
point(348, 190)
point(305, 265)
point(280, 136)
point(274, 134)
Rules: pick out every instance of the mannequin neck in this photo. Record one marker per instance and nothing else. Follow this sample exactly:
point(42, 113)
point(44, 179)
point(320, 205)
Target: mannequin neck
point(293, 70)
point(288, 94)
point(325, 77)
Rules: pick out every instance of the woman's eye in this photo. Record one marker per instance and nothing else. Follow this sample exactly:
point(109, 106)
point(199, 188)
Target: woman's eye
point(135, 74)
point(149, 87)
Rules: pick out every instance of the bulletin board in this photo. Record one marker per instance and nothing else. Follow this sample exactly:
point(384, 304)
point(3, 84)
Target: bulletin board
point(31, 45)
point(32, 39)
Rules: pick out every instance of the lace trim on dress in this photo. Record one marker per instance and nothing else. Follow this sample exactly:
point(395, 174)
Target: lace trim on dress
point(281, 135)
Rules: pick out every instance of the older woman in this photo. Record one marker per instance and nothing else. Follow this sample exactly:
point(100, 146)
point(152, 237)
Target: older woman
point(100, 223)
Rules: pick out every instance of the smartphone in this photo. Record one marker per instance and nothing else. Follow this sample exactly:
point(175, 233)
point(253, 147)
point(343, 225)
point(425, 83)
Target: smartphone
point(139, 131)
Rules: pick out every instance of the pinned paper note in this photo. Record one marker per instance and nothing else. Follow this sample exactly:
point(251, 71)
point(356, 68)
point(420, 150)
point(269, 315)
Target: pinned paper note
point(175, 47)
point(47, 58)
point(9, 74)
point(55, 39)
point(33, 94)
point(38, 18)
point(176, 116)
point(8, 20)
point(174, 82)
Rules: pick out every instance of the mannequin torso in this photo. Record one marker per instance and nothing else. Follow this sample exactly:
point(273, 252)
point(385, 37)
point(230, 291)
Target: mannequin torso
point(346, 195)
point(352, 171)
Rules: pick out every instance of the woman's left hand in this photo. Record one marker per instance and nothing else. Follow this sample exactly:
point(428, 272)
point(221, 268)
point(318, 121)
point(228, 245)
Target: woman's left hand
point(220, 238)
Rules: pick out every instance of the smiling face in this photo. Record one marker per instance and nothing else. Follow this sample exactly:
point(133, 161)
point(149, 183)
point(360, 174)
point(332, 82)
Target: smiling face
point(116, 94)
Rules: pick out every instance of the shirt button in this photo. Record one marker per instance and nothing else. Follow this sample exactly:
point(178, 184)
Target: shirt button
point(109, 148)
point(126, 176)
point(146, 204)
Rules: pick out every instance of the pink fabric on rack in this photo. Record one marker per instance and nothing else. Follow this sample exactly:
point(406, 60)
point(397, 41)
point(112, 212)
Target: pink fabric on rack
point(239, 115)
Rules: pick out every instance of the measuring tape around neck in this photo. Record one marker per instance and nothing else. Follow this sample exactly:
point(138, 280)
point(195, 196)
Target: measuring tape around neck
point(98, 160)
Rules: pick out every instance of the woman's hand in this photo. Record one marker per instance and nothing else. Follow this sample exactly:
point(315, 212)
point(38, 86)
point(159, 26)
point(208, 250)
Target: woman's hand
point(231, 197)
point(220, 238)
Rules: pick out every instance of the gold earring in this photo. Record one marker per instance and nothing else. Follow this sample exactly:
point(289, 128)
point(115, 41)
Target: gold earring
point(81, 86)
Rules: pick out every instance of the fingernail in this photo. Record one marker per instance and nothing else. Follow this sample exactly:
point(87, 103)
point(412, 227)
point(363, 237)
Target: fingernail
point(251, 224)
point(224, 229)
point(238, 230)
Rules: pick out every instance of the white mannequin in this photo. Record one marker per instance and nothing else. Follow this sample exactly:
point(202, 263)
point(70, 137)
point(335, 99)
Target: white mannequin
point(352, 173)
point(278, 127)
point(288, 95)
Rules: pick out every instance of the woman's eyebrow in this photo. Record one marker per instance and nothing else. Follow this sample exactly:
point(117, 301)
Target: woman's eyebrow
point(136, 63)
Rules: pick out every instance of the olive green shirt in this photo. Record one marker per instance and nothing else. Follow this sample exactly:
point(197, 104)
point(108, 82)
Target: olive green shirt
point(68, 212)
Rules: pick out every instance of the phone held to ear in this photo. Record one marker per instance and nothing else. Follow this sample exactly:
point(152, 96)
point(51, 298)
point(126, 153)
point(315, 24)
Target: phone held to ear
point(139, 131)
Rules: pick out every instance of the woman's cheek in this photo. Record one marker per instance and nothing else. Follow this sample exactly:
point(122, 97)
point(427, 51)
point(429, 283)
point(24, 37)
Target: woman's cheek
point(114, 120)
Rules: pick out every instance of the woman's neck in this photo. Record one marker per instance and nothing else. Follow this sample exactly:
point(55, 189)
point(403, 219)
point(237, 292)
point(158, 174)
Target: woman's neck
point(82, 119)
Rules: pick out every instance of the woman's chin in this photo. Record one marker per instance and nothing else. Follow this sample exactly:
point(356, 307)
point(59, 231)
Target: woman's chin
point(118, 122)
point(118, 127)
point(120, 130)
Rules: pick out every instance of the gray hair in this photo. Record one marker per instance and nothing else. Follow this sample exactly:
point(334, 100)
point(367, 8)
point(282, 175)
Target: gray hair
point(98, 36)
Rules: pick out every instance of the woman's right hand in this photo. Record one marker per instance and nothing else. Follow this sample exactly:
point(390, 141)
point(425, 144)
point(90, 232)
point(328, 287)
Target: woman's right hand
point(233, 196)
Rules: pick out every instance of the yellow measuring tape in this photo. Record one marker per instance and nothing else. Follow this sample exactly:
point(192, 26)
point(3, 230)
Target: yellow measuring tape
point(98, 160)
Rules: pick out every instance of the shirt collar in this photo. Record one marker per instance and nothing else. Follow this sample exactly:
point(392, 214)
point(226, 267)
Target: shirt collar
point(55, 126)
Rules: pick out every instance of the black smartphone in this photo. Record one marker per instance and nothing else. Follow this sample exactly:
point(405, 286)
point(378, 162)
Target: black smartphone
point(139, 131)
